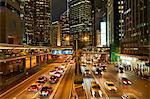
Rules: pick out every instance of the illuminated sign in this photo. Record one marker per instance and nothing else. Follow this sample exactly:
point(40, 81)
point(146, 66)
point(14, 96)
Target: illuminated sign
point(56, 52)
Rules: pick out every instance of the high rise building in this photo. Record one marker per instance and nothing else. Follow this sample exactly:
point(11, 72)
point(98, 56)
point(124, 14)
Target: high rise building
point(115, 22)
point(99, 22)
point(56, 34)
point(66, 36)
point(11, 24)
point(135, 43)
point(37, 22)
point(80, 19)
point(115, 10)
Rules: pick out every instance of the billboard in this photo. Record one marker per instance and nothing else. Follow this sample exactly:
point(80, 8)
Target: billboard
point(57, 52)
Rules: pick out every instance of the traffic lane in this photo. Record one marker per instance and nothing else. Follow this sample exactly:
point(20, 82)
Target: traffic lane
point(141, 85)
point(87, 86)
point(97, 79)
point(124, 88)
point(108, 77)
point(28, 95)
point(65, 87)
point(21, 89)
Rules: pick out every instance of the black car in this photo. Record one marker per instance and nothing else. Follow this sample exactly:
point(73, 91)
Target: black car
point(46, 91)
point(42, 79)
point(53, 79)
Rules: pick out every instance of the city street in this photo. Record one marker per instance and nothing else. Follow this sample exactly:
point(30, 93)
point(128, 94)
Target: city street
point(139, 86)
point(20, 91)
point(65, 87)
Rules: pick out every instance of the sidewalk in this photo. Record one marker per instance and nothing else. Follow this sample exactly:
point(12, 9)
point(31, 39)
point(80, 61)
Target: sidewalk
point(131, 72)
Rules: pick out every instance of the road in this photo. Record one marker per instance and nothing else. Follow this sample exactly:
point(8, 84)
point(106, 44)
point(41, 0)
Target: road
point(139, 87)
point(20, 91)
point(65, 87)
point(87, 86)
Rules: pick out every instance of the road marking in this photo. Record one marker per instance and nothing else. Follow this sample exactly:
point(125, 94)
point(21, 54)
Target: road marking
point(99, 83)
point(35, 96)
point(20, 93)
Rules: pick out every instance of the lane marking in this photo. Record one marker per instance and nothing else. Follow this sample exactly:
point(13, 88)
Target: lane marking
point(20, 93)
point(99, 83)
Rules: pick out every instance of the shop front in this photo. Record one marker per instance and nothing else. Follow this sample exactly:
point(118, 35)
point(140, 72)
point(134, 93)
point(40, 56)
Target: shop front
point(140, 67)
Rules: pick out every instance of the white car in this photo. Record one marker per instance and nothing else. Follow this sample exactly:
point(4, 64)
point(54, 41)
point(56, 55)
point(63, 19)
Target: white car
point(52, 72)
point(110, 86)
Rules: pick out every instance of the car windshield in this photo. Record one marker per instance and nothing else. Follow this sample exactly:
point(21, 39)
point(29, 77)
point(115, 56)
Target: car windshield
point(110, 84)
point(124, 79)
point(96, 87)
point(86, 70)
point(33, 85)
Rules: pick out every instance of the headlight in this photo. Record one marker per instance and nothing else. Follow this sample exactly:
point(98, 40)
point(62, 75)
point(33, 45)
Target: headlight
point(125, 82)
point(100, 92)
point(109, 88)
point(115, 88)
point(93, 93)
point(129, 82)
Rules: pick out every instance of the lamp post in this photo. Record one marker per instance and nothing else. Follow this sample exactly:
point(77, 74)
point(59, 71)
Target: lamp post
point(67, 39)
point(85, 38)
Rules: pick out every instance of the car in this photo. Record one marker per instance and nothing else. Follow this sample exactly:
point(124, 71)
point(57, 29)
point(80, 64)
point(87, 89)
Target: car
point(96, 90)
point(52, 72)
point(42, 79)
point(58, 74)
point(60, 70)
point(46, 91)
point(129, 96)
point(53, 79)
point(98, 71)
point(110, 86)
point(121, 69)
point(104, 68)
point(126, 81)
point(34, 87)
point(87, 73)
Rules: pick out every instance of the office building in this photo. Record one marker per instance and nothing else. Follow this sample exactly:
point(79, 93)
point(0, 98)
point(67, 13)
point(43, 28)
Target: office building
point(11, 25)
point(135, 43)
point(56, 34)
point(37, 22)
point(99, 22)
point(80, 20)
point(66, 36)
point(115, 10)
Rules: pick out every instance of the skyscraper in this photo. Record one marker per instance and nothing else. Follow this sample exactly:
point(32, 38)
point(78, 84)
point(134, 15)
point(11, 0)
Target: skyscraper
point(99, 22)
point(80, 19)
point(37, 22)
point(66, 36)
point(135, 43)
point(56, 34)
point(115, 10)
point(11, 24)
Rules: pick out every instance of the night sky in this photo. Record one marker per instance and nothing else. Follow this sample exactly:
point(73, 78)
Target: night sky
point(58, 7)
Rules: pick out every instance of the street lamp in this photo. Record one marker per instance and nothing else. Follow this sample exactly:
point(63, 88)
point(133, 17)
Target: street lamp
point(85, 38)
point(67, 40)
